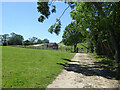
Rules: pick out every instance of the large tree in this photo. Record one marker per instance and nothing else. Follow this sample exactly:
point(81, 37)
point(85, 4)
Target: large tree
point(72, 35)
point(15, 39)
point(45, 41)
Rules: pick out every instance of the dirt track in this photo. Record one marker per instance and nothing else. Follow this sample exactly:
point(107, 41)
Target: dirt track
point(83, 72)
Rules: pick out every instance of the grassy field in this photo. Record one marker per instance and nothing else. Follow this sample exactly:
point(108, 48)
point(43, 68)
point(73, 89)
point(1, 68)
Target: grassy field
point(31, 68)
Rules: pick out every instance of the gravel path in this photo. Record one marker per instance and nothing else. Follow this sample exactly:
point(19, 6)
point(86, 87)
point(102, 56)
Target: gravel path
point(83, 72)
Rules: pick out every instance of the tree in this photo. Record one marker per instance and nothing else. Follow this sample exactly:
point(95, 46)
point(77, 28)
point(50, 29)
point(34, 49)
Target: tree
point(33, 40)
point(26, 42)
point(72, 35)
point(4, 39)
point(46, 8)
point(39, 41)
point(15, 39)
point(45, 41)
point(103, 23)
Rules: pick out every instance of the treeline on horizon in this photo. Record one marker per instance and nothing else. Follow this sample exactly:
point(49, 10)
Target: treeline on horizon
point(17, 39)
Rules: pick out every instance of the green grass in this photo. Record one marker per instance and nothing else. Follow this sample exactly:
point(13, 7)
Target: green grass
point(119, 81)
point(83, 48)
point(31, 68)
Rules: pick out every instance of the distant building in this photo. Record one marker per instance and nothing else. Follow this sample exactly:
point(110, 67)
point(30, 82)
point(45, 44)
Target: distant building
point(37, 45)
point(44, 46)
point(50, 46)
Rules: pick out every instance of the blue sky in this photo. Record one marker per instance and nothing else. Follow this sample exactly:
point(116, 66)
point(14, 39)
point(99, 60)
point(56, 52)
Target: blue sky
point(22, 18)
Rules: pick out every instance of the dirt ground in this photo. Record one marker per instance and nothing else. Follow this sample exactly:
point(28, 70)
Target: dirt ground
point(83, 72)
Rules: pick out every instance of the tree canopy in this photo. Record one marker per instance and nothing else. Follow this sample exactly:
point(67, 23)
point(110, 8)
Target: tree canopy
point(72, 35)
point(45, 41)
point(15, 39)
point(46, 9)
point(101, 19)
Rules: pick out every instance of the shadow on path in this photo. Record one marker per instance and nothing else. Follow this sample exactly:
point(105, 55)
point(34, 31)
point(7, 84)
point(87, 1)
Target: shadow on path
point(93, 69)
point(69, 60)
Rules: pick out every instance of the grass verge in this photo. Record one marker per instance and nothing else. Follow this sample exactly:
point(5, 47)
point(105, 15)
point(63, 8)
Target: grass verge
point(108, 63)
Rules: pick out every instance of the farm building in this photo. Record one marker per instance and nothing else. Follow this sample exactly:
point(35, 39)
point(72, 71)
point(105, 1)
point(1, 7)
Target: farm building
point(50, 46)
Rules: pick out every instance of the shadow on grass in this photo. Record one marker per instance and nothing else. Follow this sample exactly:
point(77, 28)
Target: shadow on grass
point(66, 59)
point(62, 64)
point(107, 62)
point(94, 69)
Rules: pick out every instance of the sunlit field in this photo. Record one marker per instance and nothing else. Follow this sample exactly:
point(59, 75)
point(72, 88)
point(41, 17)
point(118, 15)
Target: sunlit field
point(31, 68)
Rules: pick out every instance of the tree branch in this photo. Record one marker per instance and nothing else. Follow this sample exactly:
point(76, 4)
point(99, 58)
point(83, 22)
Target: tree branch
point(64, 12)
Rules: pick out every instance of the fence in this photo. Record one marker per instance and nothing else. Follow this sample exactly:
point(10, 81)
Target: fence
point(68, 49)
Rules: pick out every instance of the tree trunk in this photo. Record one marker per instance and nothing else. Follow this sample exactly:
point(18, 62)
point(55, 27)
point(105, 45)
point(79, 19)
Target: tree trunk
point(102, 48)
point(111, 55)
point(75, 45)
point(71, 48)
